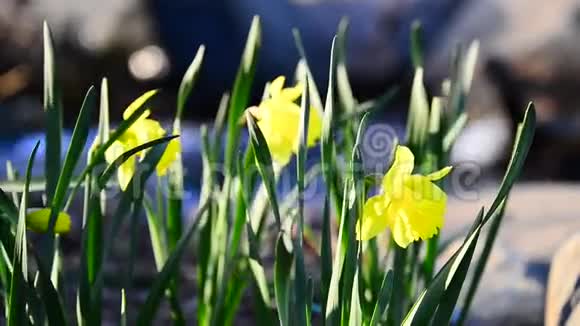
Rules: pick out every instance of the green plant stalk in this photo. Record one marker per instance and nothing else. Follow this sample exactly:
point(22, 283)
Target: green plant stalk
point(205, 247)
point(398, 297)
point(175, 181)
point(238, 102)
point(16, 313)
point(299, 268)
point(53, 109)
point(481, 263)
point(77, 144)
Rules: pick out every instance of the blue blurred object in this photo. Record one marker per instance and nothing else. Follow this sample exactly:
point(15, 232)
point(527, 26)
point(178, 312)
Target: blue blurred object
point(223, 25)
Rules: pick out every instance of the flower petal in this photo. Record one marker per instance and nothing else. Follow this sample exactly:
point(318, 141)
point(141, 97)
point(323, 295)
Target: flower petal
point(125, 172)
point(403, 165)
point(146, 130)
point(374, 220)
point(291, 94)
point(137, 104)
point(401, 228)
point(279, 125)
point(420, 212)
point(172, 152)
point(437, 175)
point(276, 85)
point(38, 221)
point(314, 126)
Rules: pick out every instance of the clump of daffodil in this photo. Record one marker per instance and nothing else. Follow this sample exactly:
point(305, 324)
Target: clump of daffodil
point(411, 205)
point(279, 119)
point(38, 220)
point(142, 131)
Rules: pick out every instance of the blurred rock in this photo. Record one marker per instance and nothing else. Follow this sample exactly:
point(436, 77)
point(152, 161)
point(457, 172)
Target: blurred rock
point(539, 217)
point(564, 285)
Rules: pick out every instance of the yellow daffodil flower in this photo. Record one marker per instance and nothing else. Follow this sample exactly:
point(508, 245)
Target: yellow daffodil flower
point(409, 204)
point(142, 131)
point(279, 120)
point(38, 220)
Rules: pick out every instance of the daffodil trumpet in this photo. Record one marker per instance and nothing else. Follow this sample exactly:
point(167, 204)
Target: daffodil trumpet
point(410, 205)
point(278, 118)
point(142, 131)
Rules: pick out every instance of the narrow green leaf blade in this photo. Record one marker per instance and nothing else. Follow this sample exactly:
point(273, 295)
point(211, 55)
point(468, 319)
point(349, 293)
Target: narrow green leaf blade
point(53, 109)
point(188, 81)
point(282, 271)
point(148, 310)
point(75, 149)
point(449, 276)
point(383, 298)
point(522, 144)
point(264, 164)
point(417, 44)
point(17, 298)
point(241, 91)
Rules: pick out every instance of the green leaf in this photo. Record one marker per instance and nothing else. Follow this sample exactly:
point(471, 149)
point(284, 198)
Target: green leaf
point(370, 106)
point(522, 144)
point(309, 298)
point(188, 81)
point(53, 109)
point(482, 261)
point(333, 301)
point(141, 105)
point(398, 299)
point(282, 271)
point(462, 75)
point(11, 175)
point(75, 149)
point(418, 120)
point(89, 293)
point(345, 96)
point(104, 125)
point(355, 315)
point(50, 298)
point(383, 298)
point(218, 126)
point(254, 260)
point(133, 192)
point(454, 131)
point(123, 308)
point(300, 269)
point(469, 64)
point(417, 44)
point(205, 246)
point(325, 254)
point(446, 283)
point(241, 91)
point(112, 168)
point(17, 298)
point(264, 164)
point(237, 104)
point(327, 146)
point(156, 234)
point(77, 145)
point(103, 132)
point(304, 70)
point(348, 241)
point(175, 179)
point(148, 310)
point(9, 211)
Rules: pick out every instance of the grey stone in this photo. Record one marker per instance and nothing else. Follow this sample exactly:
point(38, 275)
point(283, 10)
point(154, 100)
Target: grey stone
point(563, 294)
point(539, 217)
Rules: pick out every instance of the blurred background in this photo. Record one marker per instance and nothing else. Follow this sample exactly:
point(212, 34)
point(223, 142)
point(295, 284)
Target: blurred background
point(529, 50)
